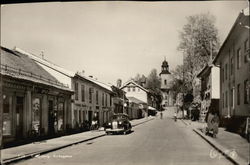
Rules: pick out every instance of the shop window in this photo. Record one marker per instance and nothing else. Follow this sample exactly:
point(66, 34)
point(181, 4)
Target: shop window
point(36, 111)
point(60, 116)
point(7, 115)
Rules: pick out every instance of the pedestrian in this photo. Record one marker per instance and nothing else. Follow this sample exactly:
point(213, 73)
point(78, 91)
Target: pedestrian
point(175, 116)
point(161, 115)
point(215, 124)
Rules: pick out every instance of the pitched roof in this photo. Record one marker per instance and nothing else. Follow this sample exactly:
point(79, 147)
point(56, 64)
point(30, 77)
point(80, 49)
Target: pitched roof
point(99, 83)
point(244, 14)
point(133, 82)
point(18, 65)
point(61, 74)
point(47, 63)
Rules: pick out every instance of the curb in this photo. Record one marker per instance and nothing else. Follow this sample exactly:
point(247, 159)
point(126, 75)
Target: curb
point(34, 154)
point(221, 149)
point(134, 125)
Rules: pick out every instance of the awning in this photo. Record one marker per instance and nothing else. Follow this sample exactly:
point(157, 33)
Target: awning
point(151, 108)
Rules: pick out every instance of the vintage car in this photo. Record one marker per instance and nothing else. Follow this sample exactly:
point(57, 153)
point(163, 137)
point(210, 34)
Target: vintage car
point(119, 123)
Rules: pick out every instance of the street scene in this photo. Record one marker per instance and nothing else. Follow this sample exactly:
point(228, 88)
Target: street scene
point(125, 82)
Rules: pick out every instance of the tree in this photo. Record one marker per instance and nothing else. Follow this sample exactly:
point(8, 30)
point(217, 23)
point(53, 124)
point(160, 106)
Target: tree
point(199, 43)
point(153, 81)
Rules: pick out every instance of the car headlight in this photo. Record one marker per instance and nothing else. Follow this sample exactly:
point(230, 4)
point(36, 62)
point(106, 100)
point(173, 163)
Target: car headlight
point(120, 122)
point(109, 123)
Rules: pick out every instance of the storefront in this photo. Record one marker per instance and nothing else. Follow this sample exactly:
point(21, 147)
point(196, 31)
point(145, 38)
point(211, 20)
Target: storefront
point(34, 105)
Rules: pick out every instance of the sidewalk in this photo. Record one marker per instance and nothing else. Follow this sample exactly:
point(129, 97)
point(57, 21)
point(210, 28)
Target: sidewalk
point(231, 145)
point(13, 154)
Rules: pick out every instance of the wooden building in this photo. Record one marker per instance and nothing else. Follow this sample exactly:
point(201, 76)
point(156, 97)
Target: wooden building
point(35, 103)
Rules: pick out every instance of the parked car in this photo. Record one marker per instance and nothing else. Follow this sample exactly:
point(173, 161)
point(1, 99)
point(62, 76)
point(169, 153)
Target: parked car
point(119, 123)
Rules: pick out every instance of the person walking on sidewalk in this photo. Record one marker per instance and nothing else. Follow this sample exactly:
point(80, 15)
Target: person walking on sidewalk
point(175, 116)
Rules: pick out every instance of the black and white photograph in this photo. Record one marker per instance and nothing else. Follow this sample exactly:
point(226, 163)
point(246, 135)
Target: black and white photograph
point(125, 82)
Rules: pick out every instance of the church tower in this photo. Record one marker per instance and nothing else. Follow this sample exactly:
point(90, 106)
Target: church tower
point(166, 84)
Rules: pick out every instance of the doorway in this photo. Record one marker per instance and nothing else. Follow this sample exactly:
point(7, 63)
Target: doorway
point(51, 118)
point(19, 116)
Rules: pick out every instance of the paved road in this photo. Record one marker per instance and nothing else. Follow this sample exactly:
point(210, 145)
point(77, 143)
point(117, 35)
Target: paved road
point(158, 142)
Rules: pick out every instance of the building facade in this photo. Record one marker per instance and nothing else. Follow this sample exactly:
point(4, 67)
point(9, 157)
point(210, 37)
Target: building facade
point(35, 104)
point(145, 98)
point(210, 89)
point(166, 83)
point(235, 70)
point(90, 96)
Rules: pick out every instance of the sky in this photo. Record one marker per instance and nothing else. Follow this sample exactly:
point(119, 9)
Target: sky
point(109, 40)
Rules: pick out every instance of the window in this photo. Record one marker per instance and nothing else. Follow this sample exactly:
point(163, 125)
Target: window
point(102, 99)
point(238, 94)
point(232, 98)
point(238, 58)
point(246, 92)
point(246, 47)
point(110, 100)
point(106, 100)
point(7, 118)
point(138, 89)
point(36, 111)
point(226, 71)
point(165, 82)
point(96, 97)
point(76, 91)
point(83, 92)
point(128, 89)
point(60, 116)
point(133, 89)
point(226, 99)
point(223, 100)
point(90, 95)
point(232, 65)
point(222, 74)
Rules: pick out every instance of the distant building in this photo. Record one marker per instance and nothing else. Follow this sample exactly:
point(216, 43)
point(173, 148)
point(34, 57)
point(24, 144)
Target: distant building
point(235, 71)
point(142, 95)
point(166, 83)
point(210, 89)
point(35, 103)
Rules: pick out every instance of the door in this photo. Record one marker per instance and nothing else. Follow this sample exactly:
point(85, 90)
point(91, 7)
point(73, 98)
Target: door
point(51, 120)
point(19, 116)
point(90, 116)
